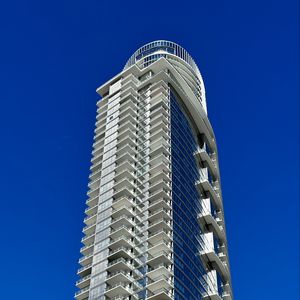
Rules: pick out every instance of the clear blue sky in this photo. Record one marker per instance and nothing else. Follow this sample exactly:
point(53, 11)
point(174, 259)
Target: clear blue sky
point(54, 54)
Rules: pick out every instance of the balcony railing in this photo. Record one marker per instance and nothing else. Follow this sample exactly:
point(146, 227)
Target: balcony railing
point(82, 291)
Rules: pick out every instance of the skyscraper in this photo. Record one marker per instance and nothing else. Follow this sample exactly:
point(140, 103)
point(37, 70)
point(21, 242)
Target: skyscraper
point(154, 225)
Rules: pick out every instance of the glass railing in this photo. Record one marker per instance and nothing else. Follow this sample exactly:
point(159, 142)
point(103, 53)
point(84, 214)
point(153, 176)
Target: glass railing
point(123, 237)
point(162, 290)
point(160, 253)
point(85, 257)
point(82, 291)
point(89, 217)
point(157, 193)
point(122, 284)
point(163, 241)
point(160, 210)
point(90, 208)
point(159, 200)
point(128, 228)
point(83, 279)
point(121, 260)
point(86, 247)
point(130, 219)
point(89, 226)
point(167, 232)
point(127, 274)
point(84, 268)
point(168, 267)
point(161, 277)
point(125, 249)
point(87, 237)
point(123, 207)
point(159, 221)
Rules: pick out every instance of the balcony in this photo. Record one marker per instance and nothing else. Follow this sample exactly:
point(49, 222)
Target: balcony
point(127, 133)
point(124, 125)
point(89, 229)
point(158, 88)
point(92, 201)
point(226, 295)
point(158, 96)
point(95, 174)
point(97, 155)
point(123, 211)
point(161, 166)
point(91, 210)
point(128, 147)
point(125, 192)
point(128, 92)
point(88, 239)
point(122, 241)
point(124, 201)
point(209, 224)
point(155, 249)
point(212, 261)
point(82, 294)
point(161, 294)
point(159, 111)
point(208, 191)
point(162, 257)
point(127, 111)
point(122, 220)
point(120, 289)
point(130, 80)
point(124, 174)
point(123, 183)
point(125, 252)
point(206, 161)
point(161, 176)
point(123, 230)
point(98, 146)
point(162, 183)
point(159, 118)
point(157, 160)
point(86, 249)
point(211, 296)
point(225, 292)
point(159, 236)
point(159, 147)
point(94, 183)
point(161, 213)
point(126, 165)
point(160, 203)
point(84, 271)
point(120, 264)
point(160, 134)
point(160, 282)
point(89, 220)
point(119, 276)
point(159, 270)
point(83, 282)
point(160, 224)
point(162, 124)
point(86, 259)
point(94, 192)
point(162, 193)
point(123, 141)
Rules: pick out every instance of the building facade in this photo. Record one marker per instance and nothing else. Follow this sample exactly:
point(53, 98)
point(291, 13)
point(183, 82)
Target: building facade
point(154, 225)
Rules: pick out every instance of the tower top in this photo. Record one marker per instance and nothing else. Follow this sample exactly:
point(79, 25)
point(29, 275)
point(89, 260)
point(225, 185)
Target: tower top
point(161, 48)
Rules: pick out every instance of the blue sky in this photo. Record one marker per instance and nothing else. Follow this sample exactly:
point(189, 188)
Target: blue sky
point(54, 54)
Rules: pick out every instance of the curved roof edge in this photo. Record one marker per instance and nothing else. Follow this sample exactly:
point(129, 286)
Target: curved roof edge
point(166, 47)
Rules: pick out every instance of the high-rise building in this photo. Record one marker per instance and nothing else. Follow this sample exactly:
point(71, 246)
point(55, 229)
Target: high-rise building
point(154, 225)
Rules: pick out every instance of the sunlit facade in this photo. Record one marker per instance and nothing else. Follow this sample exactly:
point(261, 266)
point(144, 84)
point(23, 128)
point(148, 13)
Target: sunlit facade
point(154, 225)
